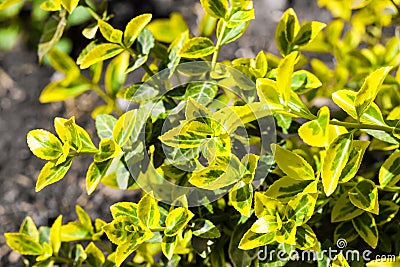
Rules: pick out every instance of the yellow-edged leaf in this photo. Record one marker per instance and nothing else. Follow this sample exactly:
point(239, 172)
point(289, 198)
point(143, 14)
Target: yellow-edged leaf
point(334, 162)
point(292, 164)
point(197, 47)
point(134, 27)
point(284, 76)
point(44, 144)
point(100, 53)
point(370, 89)
point(316, 132)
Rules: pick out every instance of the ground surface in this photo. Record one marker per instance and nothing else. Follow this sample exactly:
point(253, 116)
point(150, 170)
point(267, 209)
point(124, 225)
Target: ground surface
point(21, 81)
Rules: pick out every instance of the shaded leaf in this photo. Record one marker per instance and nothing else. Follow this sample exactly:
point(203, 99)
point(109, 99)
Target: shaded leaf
point(215, 8)
point(308, 32)
point(301, 208)
point(364, 195)
point(366, 227)
point(52, 33)
point(241, 198)
point(344, 210)
point(168, 245)
point(116, 73)
point(107, 149)
point(306, 238)
point(95, 256)
point(389, 173)
point(205, 229)
point(146, 41)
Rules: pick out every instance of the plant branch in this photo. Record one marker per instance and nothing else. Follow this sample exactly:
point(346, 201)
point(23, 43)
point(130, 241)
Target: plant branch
point(107, 98)
point(352, 125)
point(144, 66)
point(218, 45)
point(362, 126)
point(393, 189)
point(148, 70)
point(77, 154)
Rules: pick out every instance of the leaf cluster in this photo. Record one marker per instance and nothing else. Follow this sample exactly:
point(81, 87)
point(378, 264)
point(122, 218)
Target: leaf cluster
point(333, 171)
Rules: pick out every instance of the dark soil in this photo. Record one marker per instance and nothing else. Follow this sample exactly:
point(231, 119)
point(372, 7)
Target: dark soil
point(21, 81)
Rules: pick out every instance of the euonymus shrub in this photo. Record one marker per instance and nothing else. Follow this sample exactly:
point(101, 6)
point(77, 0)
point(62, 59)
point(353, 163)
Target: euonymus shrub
point(336, 166)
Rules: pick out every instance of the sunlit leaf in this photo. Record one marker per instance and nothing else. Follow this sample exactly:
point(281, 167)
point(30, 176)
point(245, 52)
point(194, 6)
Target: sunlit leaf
point(134, 27)
point(52, 173)
point(334, 162)
point(197, 47)
point(292, 164)
point(99, 53)
point(176, 220)
point(370, 89)
point(44, 144)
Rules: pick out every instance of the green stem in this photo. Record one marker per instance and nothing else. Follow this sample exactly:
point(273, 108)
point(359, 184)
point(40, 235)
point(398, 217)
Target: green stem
point(77, 154)
point(218, 45)
point(303, 115)
point(110, 101)
point(144, 66)
point(148, 70)
point(352, 125)
point(393, 189)
point(157, 229)
point(362, 126)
